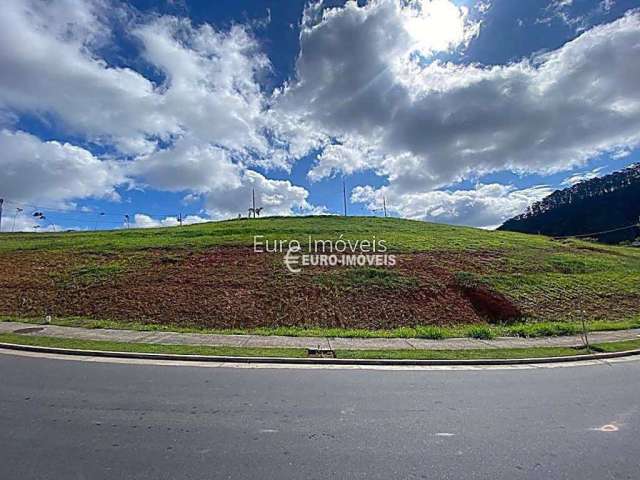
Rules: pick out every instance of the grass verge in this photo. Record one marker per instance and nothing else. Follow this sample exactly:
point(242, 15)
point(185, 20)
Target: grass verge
point(496, 353)
point(149, 347)
point(525, 329)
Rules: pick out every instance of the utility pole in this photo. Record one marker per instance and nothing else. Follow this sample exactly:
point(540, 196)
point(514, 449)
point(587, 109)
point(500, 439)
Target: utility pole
point(344, 196)
point(253, 202)
point(180, 218)
point(95, 227)
point(384, 205)
point(1, 202)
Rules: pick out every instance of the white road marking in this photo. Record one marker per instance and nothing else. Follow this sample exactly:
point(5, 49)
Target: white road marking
point(445, 434)
point(608, 428)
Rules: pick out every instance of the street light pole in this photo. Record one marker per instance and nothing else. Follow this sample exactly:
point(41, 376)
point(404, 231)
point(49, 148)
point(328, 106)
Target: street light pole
point(15, 216)
point(344, 196)
point(253, 202)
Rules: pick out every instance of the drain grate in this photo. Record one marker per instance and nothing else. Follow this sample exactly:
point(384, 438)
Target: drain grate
point(29, 330)
point(321, 353)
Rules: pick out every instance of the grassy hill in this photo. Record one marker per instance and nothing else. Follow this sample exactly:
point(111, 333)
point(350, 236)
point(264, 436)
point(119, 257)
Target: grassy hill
point(208, 275)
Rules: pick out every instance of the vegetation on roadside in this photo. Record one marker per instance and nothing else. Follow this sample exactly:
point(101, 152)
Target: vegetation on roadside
point(408, 354)
point(523, 329)
point(73, 343)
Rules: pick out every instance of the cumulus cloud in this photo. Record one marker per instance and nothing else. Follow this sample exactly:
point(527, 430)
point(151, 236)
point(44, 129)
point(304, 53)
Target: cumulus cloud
point(197, 130)
point(486, 206)
point(276, 197)
point(48, 68)
point(35, 170)
point(209, 89)
point(368, 93)
point(188, 165)
point(429, 124)
point(340, 158)
point(140, 220)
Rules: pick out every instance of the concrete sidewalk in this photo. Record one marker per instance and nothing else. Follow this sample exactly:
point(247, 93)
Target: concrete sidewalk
point(131, 336)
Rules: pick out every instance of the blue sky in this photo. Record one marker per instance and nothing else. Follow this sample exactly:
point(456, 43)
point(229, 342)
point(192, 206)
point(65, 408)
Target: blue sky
point(459, 112)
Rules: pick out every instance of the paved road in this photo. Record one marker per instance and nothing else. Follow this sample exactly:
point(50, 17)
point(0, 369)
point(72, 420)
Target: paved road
point(66, 419)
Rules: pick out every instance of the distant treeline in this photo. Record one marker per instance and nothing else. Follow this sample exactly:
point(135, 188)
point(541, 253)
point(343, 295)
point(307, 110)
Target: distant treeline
point(591, 206)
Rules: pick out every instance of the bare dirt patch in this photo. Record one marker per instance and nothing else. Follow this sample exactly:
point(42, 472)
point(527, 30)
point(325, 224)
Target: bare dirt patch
point(232, 287)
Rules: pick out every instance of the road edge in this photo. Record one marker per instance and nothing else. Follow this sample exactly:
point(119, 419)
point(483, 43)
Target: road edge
point(316, 361)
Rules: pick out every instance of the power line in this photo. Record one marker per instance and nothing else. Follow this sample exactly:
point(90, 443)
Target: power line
point(75, 210)
point(97, 218)
point(582, 235)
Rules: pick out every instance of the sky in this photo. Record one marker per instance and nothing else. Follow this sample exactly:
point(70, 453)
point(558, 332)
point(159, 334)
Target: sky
point(117, 114)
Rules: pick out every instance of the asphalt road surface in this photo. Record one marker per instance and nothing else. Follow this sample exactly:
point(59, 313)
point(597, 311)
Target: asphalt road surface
point(67, 419)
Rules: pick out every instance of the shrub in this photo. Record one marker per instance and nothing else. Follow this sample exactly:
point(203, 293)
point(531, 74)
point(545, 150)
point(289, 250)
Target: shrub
point(434, 333)
point(481, 332)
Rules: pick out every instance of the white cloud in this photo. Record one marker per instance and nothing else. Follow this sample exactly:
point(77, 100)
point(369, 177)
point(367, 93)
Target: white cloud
point(607, 5)
point(35, 170)
point(48, 68)
point(276, 197)
point(581, 177)
point(140, 220)
point(198, 131)
point(210, 90)
point(188, 165)
point(367, 92)
point(340, 158)
point(14, 221)
point(426, 126)
point(486, 206)
point(437, 25)
point(574, 15)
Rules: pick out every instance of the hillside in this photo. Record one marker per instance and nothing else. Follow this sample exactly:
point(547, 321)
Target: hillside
point(209, 275)
point(596, 205)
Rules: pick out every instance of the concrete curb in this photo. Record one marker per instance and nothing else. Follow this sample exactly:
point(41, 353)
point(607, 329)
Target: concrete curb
point(315, 361)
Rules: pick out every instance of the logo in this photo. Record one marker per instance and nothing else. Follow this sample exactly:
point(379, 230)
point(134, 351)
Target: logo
point(327, 253)
point(292, 260)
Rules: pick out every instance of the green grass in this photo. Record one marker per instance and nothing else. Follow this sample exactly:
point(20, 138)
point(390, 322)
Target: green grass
point(90, 274)
point(101, 345)
point(464, 354)
point(399, 235)
point(528, 330)
point(537, 352)
point(481, 332)
point(617, 346)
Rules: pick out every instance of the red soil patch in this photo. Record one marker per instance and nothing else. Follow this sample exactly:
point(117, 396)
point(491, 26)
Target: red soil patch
point(234, 287)
point(492, 305)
